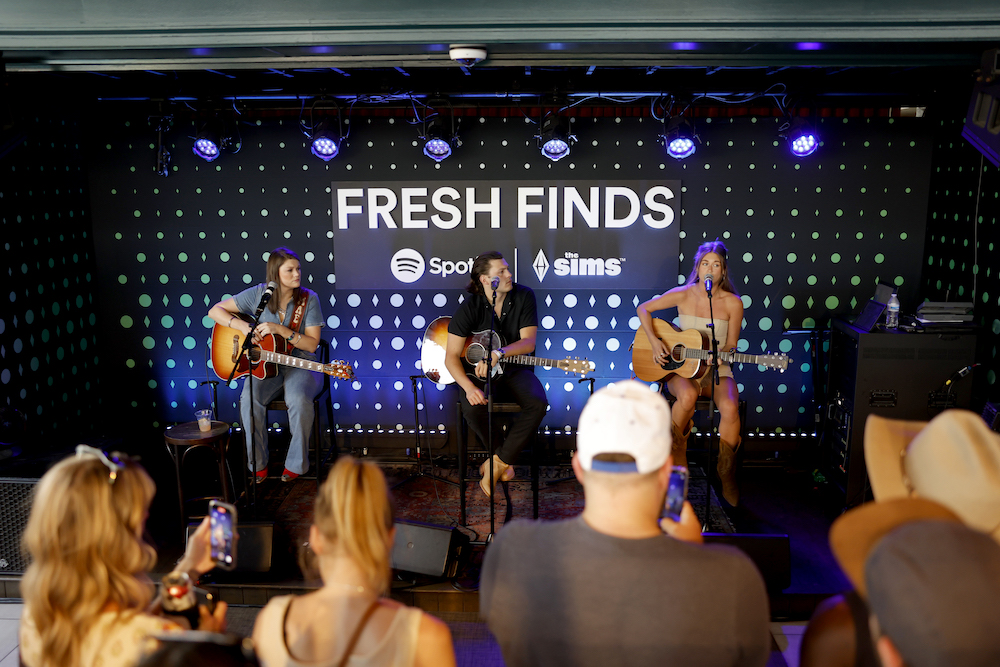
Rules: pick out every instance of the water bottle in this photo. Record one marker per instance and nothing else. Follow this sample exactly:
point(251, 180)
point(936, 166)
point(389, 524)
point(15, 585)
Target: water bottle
point(892, 313)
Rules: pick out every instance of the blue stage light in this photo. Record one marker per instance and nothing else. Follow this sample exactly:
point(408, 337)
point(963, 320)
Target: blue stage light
point(679, 138)
point(439, 138)
point(210, 141)
point(207, 148)
point(802, 140)
point(437, 149)
point(555, 138)
point(325, 141)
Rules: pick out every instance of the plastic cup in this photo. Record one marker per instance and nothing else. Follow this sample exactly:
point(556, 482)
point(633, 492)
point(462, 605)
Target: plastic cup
point(204, 418)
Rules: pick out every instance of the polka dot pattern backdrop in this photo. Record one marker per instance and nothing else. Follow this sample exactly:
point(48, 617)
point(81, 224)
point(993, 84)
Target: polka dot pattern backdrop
point(49, 364)
point(964, 212)
point(808, 239)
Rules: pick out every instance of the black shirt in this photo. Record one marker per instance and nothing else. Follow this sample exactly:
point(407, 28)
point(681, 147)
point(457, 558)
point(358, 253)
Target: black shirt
point(518, 311)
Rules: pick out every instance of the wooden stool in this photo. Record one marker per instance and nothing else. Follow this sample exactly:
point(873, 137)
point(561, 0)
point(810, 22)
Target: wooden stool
point(463, 462)
point(183, 438)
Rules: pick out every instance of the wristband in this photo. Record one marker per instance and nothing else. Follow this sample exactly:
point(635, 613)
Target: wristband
point(291, 337)
point(231, 318)
point(502, 352)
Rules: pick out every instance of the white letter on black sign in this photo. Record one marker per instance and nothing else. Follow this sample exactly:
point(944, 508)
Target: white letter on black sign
point(524, 208)
point(343, 208)
point(472, 207)
point(385, 210)
point(573, 201)
point(455, 212)
point(409, 208)
point(610, 194)
point(653, 205)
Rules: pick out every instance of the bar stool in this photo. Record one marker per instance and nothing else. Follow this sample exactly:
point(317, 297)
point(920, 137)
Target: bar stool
point(463, 461)
point(181, 440)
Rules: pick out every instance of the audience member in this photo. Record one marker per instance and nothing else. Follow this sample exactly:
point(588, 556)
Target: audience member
point(932, 584)
point(347, 619)
point(87, 594)
point(609, 587)
point(955, 460)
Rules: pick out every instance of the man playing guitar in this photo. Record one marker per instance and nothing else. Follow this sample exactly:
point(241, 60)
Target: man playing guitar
point(516, 323)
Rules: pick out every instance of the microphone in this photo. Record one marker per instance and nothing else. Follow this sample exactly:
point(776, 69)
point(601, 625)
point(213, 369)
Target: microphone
point(708, 283)
point(495, 283)
point(265, 297)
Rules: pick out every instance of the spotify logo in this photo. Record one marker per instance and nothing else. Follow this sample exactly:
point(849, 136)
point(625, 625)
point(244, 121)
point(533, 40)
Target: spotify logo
point(407, 265)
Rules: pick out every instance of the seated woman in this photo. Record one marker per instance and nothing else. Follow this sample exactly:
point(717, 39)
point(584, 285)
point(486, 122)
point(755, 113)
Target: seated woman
point(87, 593)
point(347, 621)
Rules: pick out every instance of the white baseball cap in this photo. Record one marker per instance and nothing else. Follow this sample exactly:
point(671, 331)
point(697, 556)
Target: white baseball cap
point(624, 418)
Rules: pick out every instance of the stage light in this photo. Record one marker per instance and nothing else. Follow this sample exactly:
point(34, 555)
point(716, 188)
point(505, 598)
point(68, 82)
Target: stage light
point(326, 135)
point(207, 142)
point(802, 139)
point(325, 141)
point(554, 138)
point(679, 138)
point(437, 139)
point(439, 135)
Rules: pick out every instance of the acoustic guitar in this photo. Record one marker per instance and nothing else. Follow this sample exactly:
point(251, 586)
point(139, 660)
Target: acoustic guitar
point(262, 360)
point(689, 352)
point(435, 345)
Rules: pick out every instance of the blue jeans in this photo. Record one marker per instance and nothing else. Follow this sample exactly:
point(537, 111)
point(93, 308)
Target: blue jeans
point(301, 387)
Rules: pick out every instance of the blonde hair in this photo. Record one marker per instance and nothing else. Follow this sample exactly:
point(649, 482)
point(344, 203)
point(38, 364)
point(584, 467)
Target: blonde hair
point(719, 248)
point(84, 538)
point(353, 512)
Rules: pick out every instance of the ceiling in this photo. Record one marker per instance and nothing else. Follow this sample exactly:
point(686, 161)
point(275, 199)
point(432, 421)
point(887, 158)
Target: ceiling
point(889, 53)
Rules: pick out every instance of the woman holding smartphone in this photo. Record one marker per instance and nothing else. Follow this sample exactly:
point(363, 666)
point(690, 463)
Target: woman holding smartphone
point(88, 599)
point(348, 619)
point(693, 308)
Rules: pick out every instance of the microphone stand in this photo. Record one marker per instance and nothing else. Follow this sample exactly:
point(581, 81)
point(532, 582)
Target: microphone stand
point(247, 345)
point(711, 407)
point(489, 408)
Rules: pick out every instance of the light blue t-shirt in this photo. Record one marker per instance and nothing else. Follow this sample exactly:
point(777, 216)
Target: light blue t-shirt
point(248, 299)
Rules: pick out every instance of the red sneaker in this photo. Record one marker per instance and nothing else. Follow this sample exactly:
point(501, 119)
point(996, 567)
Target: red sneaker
point(288, 475)
point(261, 476)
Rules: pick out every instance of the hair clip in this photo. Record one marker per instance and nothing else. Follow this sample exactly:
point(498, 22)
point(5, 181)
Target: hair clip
point(112, 462)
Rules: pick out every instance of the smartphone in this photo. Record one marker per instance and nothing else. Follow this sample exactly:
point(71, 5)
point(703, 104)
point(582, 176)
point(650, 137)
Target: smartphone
point(222, 532)
point(677, 491)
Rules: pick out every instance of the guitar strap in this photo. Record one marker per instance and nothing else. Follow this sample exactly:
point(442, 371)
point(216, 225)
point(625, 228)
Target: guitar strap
point(300, 311)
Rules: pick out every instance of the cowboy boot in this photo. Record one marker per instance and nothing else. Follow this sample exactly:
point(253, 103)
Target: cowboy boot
point(727, 472)
point(501, 473)
point(679, 443)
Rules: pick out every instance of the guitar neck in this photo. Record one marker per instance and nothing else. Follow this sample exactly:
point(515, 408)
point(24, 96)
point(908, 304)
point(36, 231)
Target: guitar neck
point(525, 360)
point(728, 357)
point(289, 360)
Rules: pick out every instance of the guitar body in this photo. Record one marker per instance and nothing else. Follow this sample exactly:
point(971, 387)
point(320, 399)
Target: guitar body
point(677, 342)
point(435, 346)
point(227, 353)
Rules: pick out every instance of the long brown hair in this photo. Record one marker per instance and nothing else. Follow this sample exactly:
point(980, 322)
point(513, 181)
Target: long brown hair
point(719, 248)
point(353, 510)
point(275, 261)
point(84, 537)
point(480, 267)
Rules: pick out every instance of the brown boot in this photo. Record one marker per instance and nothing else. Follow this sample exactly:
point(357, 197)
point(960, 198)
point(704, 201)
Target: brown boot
point(501, 473)
point(679, 443)
point(727, 472)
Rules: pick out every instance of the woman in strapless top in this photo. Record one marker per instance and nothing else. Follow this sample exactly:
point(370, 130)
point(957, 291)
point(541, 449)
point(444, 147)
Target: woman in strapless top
point(692, 304)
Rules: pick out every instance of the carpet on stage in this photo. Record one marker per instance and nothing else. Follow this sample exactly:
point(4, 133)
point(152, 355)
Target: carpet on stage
point(425, 499)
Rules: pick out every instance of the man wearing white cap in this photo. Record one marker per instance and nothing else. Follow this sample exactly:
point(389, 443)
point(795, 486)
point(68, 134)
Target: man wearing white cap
point(609, 587)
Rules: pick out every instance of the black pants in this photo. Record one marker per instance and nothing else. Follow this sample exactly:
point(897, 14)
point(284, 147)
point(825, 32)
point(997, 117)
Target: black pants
point(517, 385)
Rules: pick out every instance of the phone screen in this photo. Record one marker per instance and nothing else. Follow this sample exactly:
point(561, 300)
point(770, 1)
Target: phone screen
point(677, 492)
point(222, 527)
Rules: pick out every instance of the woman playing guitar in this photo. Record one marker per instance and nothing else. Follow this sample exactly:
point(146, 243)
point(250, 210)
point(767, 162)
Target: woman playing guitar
point(293, 313)
point(692, 303)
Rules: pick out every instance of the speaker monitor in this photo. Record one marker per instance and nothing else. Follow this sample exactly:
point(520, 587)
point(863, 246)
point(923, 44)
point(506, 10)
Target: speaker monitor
point(15, 506)
point(253, 549)
point(428, 549)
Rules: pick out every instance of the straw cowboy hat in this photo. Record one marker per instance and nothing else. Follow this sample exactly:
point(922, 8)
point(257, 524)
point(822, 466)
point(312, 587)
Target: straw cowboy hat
point(954, 459)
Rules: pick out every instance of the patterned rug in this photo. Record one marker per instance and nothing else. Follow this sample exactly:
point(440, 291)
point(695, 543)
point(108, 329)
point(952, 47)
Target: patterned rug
point(428, 500)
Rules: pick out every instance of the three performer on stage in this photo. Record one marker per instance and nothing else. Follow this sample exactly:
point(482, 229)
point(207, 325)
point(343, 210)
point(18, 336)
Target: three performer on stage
point(494, 301)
